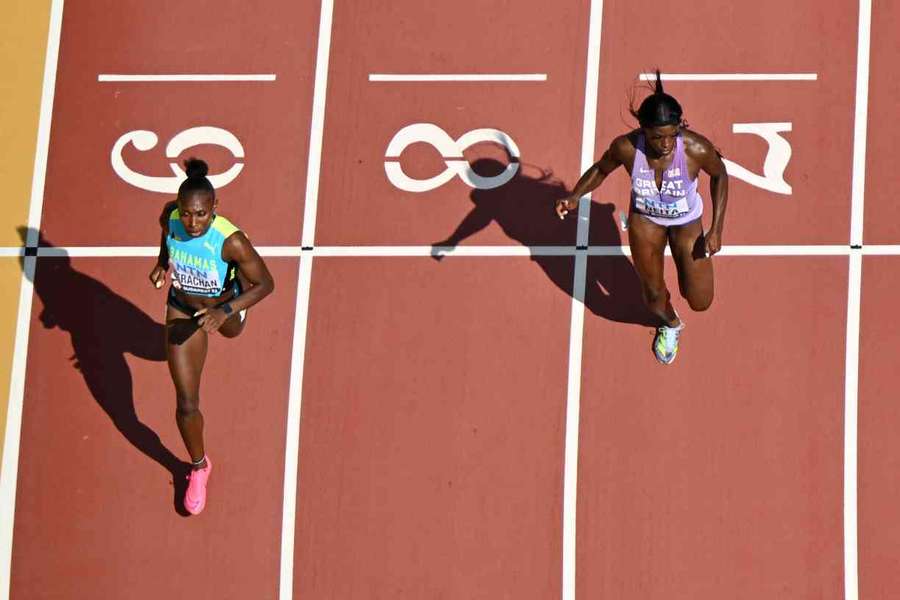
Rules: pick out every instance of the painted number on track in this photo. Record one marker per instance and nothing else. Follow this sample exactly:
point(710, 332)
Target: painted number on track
point(452, 152)
point(777, 157)
point(146, 140)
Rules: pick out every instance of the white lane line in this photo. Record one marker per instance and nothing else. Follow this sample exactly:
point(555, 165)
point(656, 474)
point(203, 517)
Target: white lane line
point(436, 77)
point(298, 350)
point(317, 125)
point(10, 468)
point(576, 324)
point(442, 251)
point(732, 76)
point(589, 122)
point(812, 250)
point(98, 251)
point(860, 123)
point(573, 428)
point(279, 250)
point(135, 251)
point(294, 251)
point(9, 471)
point(449, 251)
point(182, 77)
point(823, 250)
point(881, 250)
point(851, 431)
point(851, 369)
point(292, 441)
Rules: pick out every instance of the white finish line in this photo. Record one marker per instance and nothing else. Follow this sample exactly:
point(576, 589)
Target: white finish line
point(459, 251)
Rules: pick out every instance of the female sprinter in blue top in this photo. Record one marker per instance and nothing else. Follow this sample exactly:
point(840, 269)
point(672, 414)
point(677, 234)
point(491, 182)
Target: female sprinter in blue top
point(216, 276)
point(664, 159)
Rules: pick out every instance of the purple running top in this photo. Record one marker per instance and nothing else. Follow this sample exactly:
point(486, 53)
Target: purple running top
point(677, 201)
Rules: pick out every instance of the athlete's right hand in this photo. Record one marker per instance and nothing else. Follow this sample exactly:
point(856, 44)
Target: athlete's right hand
point(158, 276)
point(564, 205)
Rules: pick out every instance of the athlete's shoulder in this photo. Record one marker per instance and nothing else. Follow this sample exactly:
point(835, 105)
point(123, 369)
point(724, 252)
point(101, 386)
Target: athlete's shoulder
point(697, 145)
point(703, 153)
point(169, 212)
point(232, 236)
point(624, 145)
point(224, 226)
point(237, 247)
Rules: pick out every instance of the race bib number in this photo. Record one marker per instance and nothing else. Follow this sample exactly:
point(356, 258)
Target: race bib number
point(667, 210)
point(193, 282)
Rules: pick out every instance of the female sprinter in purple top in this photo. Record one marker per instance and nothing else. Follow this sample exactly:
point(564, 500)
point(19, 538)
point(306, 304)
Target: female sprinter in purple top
point(216, 276)
point(664, 159)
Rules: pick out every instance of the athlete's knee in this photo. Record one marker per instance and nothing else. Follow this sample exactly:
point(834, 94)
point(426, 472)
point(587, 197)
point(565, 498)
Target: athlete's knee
point(231, 332)
point(187, 407)
point(699, 304)
point(234, 326)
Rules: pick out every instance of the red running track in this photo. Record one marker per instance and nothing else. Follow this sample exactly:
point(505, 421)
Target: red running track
point(435, 392)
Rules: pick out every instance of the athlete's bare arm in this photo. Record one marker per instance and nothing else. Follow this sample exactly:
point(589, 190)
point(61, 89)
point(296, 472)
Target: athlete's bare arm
point(705, 155)
point(616, 155)
point(238, 249)
point(158, 274)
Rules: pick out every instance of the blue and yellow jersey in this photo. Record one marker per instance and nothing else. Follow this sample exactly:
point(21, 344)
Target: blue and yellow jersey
point(197, 265)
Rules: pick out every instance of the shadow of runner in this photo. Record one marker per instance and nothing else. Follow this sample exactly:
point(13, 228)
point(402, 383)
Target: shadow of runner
point(103, 327)
point(524, 210)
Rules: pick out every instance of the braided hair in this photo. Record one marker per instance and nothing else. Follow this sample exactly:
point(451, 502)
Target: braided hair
point(659, 108)
point(196, 181)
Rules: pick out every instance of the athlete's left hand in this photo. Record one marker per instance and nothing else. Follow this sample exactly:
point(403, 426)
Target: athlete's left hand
point(713, 242)
point(210, 320)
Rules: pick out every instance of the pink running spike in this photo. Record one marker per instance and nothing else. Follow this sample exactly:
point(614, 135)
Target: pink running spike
point(195, 496)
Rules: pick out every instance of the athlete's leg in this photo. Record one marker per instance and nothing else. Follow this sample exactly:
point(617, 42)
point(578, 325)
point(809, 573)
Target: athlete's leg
point(695, 271)
point(648, 244)
point(186, 358)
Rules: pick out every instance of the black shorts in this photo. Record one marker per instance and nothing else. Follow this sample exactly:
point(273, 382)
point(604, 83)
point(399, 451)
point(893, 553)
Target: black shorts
point(177, 304)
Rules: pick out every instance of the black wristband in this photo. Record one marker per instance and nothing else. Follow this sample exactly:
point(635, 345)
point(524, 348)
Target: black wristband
point(226, 308)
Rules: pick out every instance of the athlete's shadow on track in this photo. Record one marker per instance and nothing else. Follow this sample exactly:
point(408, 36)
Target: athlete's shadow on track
point(524, 209)
point(103, 327)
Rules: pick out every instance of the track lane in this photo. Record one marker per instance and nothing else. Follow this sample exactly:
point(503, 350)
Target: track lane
point(721, 475)
point(769, 36)
point(359, 205)
point(86, 201)
point(879, 419)
point(432, 431)
point(882, 216)
point(368, 214)
point(94, 514)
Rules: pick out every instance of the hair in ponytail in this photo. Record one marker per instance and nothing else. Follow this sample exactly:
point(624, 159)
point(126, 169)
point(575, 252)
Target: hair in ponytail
point(658, 109)
point(196, 181)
